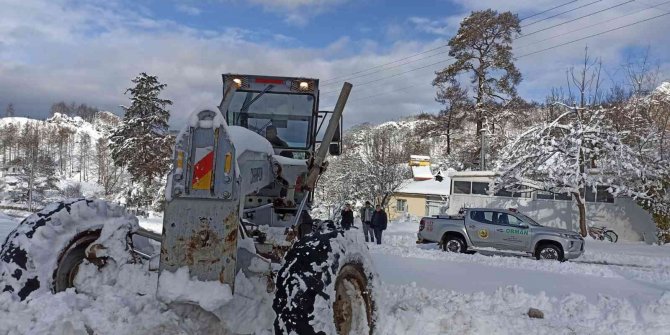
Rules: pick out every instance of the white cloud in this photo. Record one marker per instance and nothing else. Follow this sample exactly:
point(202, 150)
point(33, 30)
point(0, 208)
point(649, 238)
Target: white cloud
point(443, 27)
point(52, 51)
point(188, 9)
point(298, 12)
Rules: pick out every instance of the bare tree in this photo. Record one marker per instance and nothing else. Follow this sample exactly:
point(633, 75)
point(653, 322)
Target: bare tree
point(642, 75)
point(586, 80)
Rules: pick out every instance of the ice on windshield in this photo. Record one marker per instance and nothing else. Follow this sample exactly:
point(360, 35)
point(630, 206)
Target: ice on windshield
point(284, 119)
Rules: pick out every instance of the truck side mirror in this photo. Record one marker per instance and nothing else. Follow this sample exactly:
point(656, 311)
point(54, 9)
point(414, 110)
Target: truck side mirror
point(335, 149)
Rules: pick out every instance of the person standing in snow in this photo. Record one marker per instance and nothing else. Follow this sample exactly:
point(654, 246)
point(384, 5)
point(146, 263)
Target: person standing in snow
point(379, 222)
point(347, 217)
point(366, 218)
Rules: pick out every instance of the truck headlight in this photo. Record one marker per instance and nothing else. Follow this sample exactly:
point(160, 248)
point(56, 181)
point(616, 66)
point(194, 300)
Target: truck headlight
point(570, 236)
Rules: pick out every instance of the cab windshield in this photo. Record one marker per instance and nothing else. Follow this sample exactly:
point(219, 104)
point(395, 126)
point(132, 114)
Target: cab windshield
point(284, 119)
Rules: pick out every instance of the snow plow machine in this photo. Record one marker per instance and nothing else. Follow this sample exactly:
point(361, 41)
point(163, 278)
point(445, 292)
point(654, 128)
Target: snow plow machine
point(238, 251)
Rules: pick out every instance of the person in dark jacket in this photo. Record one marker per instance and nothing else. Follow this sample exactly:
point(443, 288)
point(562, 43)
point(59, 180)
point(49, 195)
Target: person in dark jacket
point(366, 218)
point(347, 217)
point(379, 223)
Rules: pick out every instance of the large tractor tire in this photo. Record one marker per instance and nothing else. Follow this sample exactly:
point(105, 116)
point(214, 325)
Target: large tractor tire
point(326, 286)
point(43, 254)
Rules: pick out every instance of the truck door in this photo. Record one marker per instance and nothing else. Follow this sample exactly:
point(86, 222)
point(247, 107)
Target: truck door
point(480, 228)
point(511, 233)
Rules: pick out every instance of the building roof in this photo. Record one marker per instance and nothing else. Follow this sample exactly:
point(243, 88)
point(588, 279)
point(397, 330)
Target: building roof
point(427, 187)
point(422, 173)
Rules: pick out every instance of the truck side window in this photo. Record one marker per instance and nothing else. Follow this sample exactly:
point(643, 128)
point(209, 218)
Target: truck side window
point(507, 219)
point(482, 216)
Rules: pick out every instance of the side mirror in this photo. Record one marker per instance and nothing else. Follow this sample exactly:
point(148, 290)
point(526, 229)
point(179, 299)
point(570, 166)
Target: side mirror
point(335, 149)
point(523, 226)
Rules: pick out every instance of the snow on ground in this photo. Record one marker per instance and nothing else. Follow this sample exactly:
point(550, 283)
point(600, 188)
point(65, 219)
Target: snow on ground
point(613, 289)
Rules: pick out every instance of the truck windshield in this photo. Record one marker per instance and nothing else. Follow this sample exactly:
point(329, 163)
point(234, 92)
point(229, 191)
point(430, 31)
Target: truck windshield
point(528, 220)
point(284, 119)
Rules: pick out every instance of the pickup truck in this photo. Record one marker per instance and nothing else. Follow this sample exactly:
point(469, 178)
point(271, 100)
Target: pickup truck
point(502, 229)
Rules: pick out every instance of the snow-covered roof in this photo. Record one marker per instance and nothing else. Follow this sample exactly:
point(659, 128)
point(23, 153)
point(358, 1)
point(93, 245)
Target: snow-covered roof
point(422, 173)
point(427, 187)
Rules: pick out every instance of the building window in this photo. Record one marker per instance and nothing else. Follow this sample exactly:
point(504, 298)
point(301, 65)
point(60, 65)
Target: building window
point(503, 193)
point(480, 188)
point(461, 187)
point(401, 205)
point(562, 196)
point(545, 195)
point(601, 194)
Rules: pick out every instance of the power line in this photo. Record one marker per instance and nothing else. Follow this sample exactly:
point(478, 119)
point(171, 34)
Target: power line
point(374, 95)
point(548, 10)
point(593, 25)
point(381, 65)
point(575, 19)
point(524, 55)
point(561, 13)
point(388, 68)
point(594, 35)
point(333, 81)
point(362, 73)
point(655, 6)
point(394, 75)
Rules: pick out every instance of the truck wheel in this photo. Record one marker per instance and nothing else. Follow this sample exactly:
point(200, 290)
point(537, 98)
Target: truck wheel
point(326, 286)
point(43, 253)
point(453, 243)
point(549, 251)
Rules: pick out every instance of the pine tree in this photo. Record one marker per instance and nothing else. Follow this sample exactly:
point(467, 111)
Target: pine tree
point(483, 48)
point(141, 143)
point(9, 112)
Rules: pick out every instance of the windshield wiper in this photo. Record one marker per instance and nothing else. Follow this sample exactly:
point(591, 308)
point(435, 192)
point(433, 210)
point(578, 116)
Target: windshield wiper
point(245, 107)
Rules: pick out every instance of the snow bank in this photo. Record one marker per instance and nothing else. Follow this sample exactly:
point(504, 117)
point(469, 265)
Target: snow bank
point(409, 309)
point(180, 287)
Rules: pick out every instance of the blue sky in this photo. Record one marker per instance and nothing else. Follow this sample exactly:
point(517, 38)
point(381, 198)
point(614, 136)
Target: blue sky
point(88, 51)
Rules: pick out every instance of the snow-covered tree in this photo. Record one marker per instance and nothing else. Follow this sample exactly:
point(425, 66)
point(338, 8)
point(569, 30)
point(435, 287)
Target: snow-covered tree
point(141, 143)
point(37, 170)
point(580, 149)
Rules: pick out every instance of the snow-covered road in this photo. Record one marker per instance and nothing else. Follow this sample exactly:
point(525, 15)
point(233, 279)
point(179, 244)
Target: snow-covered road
point(613, 289)
point(633, 271)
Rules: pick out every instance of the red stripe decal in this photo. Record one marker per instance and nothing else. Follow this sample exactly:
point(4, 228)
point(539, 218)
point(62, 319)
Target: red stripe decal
point(269, 81)
point(203, 166)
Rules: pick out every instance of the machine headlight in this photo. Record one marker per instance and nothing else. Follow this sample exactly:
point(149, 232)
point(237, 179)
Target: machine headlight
point(302, 85)
point(238, 82)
